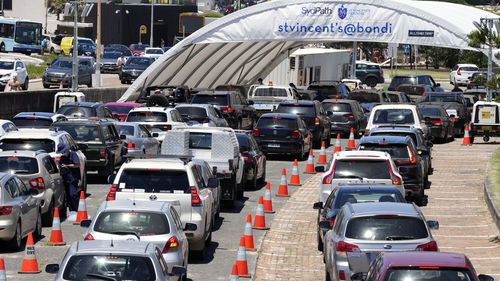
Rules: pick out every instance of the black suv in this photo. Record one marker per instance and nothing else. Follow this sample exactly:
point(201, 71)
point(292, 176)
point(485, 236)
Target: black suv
point(105, 147)
point(239, 113)
point(328, 89)
point(313, 114)
point(414, 79)
point(344, 115)
point(455, 106)
point(133, 68)
point(369, 98)
point(408, 160)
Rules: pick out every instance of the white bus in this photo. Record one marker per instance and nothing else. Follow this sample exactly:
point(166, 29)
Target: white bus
point(21, 36)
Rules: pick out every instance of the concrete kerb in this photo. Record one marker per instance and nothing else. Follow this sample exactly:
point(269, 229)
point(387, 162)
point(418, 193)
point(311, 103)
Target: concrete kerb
point(490, 201)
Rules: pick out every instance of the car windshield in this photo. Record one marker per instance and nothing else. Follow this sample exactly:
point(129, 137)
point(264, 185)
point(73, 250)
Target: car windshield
point(432, 273)
point(325, 90)
point(18, 164)
point(127, 130)
point(431, 112)
point(370, 169)
point(120, 109)
point(396, 81)
point(81, 133)
point(77, 111)
point(109, 267)
point(211, 99)
point(147, 116)
point(62, 64)
point(302, 110)
point(31, 122)
point(393, 116)
point(365, 196)
point(337, 107)
point(138, 62)
point(386, 227)
point(155, 180)
point(395, 150)
point(141, 222)
point(277, 123)
point(139, 47)
point(27, 144)
point(8, 65)
point(270, 92)
point(111, 55)
point(200, 140)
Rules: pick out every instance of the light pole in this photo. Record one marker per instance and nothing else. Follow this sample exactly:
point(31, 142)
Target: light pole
point(46, 13)
point(74, 76)
point(98, 47)
point(151, 25)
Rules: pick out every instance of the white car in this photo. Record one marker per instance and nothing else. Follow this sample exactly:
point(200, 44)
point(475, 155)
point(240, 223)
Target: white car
point(7, 126)
point(267, 98)
point(156, 119)
point(151, 52)
point(10, 66)
point(170, 179)
point(397, 114)
point(360, 167)
point(461, 73)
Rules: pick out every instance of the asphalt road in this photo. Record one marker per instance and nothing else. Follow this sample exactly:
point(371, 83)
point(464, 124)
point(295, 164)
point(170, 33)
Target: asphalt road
point(108, 80)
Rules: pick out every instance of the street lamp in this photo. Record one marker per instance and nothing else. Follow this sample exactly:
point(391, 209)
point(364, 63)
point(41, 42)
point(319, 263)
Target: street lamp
point(151, 25)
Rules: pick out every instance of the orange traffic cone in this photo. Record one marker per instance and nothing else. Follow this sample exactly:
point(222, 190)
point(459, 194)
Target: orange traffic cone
point(260, 218)
point(295, 178)
point(241, 260)
point(249, 246)
point(466, 140)
point(351, 143)
point(283, 188)
point(322, 154)
point(268, 202)
point(82, 209)
point(56, 236)
point(337, 147)
point(234, 273)
point(310, 163)
point(30, 264)
point(3, 276)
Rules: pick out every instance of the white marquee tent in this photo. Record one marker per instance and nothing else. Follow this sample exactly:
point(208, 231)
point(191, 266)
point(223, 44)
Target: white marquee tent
point(248, 44)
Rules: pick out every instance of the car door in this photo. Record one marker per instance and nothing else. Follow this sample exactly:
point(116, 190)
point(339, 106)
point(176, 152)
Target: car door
point(19, 203)
point(205, 196)
point(146, 139)
point(113, 143)
point(57, 184)
point(221, 121)
point(28, 204)
point(325, 121)
point(307, 138)
point(67, 138)
point(259, 155)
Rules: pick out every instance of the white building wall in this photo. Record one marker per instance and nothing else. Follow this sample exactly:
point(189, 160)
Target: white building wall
point(32, 10)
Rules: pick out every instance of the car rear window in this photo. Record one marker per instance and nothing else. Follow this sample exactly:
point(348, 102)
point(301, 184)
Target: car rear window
point(395, 150)
point(302, 110)
point(109, 266)
point(365, 196)
point(31, 122)
point(364, 97)
point(443, 98)
point(192, 112)
point(200, 140)
point(399, 134)
point(142, 223)
point(386, 227)
point(277, 123)
point(77, 111)
point(211, 99)
point(127, 130)
point(412, 89)
point(270, 92)
point(155, 180)
point(396, 81)
point(82, 133)
point(147, 116)
point(428, 274)
point(430, 111)
point(337, 107)
point(243, 141)
point(119, 109)
point(393, 116)
point(469, 68)
point(27, 144)
point(370, 169)
point(325, 90)
point(18, 164)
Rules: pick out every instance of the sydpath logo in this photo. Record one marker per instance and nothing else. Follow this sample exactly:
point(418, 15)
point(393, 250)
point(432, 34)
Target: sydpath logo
point(316, 11)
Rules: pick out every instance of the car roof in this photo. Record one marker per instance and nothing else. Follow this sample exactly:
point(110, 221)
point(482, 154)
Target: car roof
point(361, 154)
point(298, 102)
point(395, 128)
point(385, 139)
point(280, 115)
point(47, 115)
point(411, 75)
point(466, 64)
point(89, 121)
point(32, 134)
point(123, 104)
point(135, 205)
point(134, 124)
point(394, 106)
point(82, 104)
point(155, 163)
point(151, 108)
point(200, 105)
point(22, 153)
point(119, 246)
point(431, 104)
point(382, 208)
point(216, 93)
point(338, 101)
point(375, 188)
point(416, 259)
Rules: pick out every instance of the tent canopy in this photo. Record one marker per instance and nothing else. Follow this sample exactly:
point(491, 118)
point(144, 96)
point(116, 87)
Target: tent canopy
point(248, 44)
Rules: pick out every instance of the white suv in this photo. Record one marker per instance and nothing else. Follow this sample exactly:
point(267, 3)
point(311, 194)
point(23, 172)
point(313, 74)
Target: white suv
point(461, 73)
point(397, 114)
point(157, 119)
point(11, 66)
point(170, 179)
point(360, 167)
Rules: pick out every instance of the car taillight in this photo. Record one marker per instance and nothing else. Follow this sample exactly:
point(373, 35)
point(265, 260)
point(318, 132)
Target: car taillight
point(89, 237)
point(195, 198)
point(5, 210)
point(437, 122)
point(248, 158)
point(413, 158)
point(102, 153)
point(112, 193)
point(395, 179)
point(317, 121)
point(428, 247)
point(37, 183)
point(227, 109)
point(331, 221)
point(349, 117)
point(341, 275)
point(343, 247)
point(172, 243)
point(255, 132)
point(328, 178)
point(296, 134)
point(130, 145)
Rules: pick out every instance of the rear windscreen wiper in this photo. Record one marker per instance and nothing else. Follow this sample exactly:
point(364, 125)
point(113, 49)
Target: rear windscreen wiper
point(395, 237)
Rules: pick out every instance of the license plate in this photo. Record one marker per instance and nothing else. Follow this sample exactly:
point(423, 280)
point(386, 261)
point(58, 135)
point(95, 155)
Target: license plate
point(486, 128)
point(486, 115)
point(53, 80)
point(273, 145)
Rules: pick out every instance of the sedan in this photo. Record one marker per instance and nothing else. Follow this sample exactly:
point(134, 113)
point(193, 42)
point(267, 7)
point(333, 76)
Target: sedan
point(133, 68)
point(438, 121)
point(255, 160)
point(139, 140)
point(58, 73)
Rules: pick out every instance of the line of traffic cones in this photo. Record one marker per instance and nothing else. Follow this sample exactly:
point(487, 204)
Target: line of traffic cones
point(466, 140)
point(82, 213)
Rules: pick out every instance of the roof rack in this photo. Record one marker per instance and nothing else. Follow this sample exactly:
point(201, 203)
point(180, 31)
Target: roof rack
point(184, 158)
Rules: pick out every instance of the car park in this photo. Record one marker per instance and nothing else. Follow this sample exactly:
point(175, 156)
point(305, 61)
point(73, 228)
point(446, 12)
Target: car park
point(59, 73)
point(455, 105)
point(38, 171)
point(283, 133)
point(345, 114)
point(368, 98)
point(157, 119)
point(85, 110)
point(267, 98)
point(438, 120)
point(139, 140)
point(461, 74)
point(485, 120)
point(254, 158)
point(40, 120)
point(11, 67)
point(134, 67)
point(397, 114)
point(6, 126)
point(120, 110)
point(414, 79)
point(361, 231)
point(203, 114)
point(329, 89)
point(369, 73)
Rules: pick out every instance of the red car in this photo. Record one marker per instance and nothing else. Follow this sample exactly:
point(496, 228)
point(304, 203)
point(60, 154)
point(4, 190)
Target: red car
point(121, 109)
point(138, 49)
point(435, 266)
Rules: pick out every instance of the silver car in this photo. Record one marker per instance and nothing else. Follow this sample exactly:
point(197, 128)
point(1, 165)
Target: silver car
point(140, 141)
point(207, 173)
point(19, 211)
point(204, 114)
point(363, 230)
point(151, 221)
point(114, 260)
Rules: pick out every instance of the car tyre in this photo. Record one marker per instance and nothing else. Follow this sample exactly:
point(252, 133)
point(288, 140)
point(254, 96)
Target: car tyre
point(371, 81)
point(320, 242)
point(48, 217)
point(26, 84)
point(37, 232)
point(46, 86)
point(16, 242)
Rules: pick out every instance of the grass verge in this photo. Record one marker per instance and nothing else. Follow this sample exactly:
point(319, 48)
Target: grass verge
point(436, 74)
point(495, 177)
point(36, 71)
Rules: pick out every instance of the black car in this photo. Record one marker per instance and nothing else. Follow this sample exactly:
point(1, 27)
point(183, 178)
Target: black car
point(414, 79)
point(438, 121)
point(85, 49)
point(329, 89)
point(109, 62)
point(344, 115)
point(408, 160)
point(352, 194)
point(134, 67)
point(368, 98)
point(455, 105)
point(59, 72)
point(283, 133)
point(313, 115)
point(255, 160)
point(239, 113)
point(165, 95)
point(36, 119)
point(105, 147)
point(82, 110)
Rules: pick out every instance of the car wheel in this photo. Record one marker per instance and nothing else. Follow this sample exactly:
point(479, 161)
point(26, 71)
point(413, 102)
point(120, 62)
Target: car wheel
point(320, 242)
point(26, 83)
point(17, 241)
point(263, 178)
point(46, 86)
point(371, 81)
point(37, 232)
point(48, 217)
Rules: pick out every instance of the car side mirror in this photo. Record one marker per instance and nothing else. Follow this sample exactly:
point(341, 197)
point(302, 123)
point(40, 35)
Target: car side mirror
point(111, 179)
point(213, 182)
point(358, 276)
point(434, 225)
point(319, 169)
point(250, 102)
point(123, 137)
point(318, 206)
point(33, 192)
point(155, 135)
point(484, 277)
point(85, 223)
point(178, 271)
point(18, 68)
point(82, 146)
point(324, 225)
point(190, 227)
point(52, 268)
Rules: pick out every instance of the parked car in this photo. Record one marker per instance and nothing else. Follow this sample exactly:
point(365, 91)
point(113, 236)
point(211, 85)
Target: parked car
point(19, 211)
point(461, 74)
point(157, 119)
point(239, 113)
point(133, 68)
point(85, 110)
point(38, 171)
point(283, 133)
point(138, 49)
point(369, 73)
point(438, 121)
point(364, 230)
point(455, 105)
point(203, 114)
point(59, 72)
point(345, 114)
point(109, 61)
point(152, 52)
point(414, 79)
point(368, 98)
point(33, 120)
point(397, 115)
point(120, 110)
point(329, 89)
point(139, 140)
point(255, 160)
point(6, 126)
point(10, 67)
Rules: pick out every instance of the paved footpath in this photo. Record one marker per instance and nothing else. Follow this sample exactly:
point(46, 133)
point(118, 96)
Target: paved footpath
point(456, 200)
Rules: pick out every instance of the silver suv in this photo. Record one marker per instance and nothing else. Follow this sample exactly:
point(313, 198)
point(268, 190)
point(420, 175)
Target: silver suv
point(361, 231)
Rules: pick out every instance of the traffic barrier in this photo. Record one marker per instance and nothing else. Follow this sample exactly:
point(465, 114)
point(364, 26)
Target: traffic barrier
point(260, 219)
point(234, 273)
point(56, 236)
point(30, 264)
point(249, 245)
point(337, 147)
point(351, 143)
point(3, 276)
point(322, 154)
point(466, 140)
point(82, 209)
point(310, 163)
point(295, 178)
point(283, 188)
point(241, 260)
point(268, 202)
